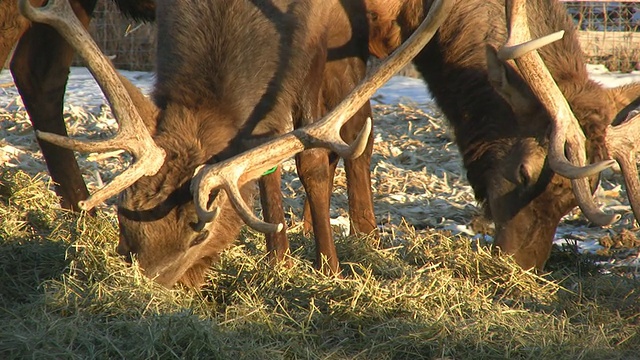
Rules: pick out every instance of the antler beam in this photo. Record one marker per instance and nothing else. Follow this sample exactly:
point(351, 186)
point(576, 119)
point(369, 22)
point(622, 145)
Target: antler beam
point(132, 135)
point(233, 173)
point(622, 143)
point(566, 134)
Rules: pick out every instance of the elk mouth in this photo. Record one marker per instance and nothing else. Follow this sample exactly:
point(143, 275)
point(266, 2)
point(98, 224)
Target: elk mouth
point(187, 267)
point(526, 218)
point(527, 237)
point(166, 254)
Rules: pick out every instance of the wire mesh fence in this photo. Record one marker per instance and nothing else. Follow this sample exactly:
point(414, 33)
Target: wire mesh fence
point(131, 45)
point(609, 32)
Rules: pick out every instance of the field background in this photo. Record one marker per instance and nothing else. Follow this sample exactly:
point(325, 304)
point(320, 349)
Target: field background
point(608, 32)
point(428, 288)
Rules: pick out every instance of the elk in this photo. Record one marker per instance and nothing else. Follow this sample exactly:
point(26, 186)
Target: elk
point(40, 67)
point(513, 125)
point(233, 79)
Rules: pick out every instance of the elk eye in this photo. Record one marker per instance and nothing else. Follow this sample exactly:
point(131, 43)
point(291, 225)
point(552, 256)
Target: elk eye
point(200, 238)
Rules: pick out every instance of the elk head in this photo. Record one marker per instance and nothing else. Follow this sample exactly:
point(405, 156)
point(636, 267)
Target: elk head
point(515, 152)
point(173, 234)
point(571, 107)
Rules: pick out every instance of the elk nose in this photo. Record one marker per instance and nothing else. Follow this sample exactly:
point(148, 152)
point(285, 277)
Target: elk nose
point(123, 249)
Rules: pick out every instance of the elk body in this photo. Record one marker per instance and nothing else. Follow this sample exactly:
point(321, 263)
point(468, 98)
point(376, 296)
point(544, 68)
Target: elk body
point(232, 74)
point(502, 129)
point(40, 67)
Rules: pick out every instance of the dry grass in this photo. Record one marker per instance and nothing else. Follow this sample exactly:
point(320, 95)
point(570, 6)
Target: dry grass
point(418, 292)
point(622, 59)
point(65, 294)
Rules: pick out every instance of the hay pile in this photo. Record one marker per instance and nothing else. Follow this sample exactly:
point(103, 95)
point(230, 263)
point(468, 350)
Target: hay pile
point(65, 294)
point(418, 292)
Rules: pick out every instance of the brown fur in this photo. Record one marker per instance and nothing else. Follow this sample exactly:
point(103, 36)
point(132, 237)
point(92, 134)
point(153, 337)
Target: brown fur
point(500, 127)
point(229, 75)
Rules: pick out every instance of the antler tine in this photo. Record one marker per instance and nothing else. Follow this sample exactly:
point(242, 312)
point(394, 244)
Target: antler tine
point(132, 135)
point(514, 50)
point(250, 165)
point(566, 132)
point(582, 193)
point(520, 48)
point(622, 143)
point(229, 182)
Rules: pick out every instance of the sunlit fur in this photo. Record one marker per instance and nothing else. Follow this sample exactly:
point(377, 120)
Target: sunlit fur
point(502, 134)
point(231, 74)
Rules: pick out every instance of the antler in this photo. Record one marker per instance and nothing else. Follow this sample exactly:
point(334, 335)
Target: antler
point(566, 129)
point(622, 143)
point(234, 172)
point(132, 135)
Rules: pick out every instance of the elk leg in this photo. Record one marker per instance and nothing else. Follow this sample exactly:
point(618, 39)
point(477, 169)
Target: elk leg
point(314, 172)
point(307, 219)
point(271, 201)
point(40, 68)
point(307, 222)
point(358, 173)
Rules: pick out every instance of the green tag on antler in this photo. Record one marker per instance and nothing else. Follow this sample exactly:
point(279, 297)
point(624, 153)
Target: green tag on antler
point(270, 171)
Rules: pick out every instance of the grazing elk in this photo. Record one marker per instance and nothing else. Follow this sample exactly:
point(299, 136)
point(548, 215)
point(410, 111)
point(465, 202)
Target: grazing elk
point(40, 67)
point(511, 127)
point(231, 74)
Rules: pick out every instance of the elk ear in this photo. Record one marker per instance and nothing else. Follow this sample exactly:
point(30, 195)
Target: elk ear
point(146, 108)
point(624, 99)
point(385, 34)
point(508, 83)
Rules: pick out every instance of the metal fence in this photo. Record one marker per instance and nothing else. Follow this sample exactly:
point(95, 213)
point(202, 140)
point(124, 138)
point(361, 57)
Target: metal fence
point(609, 34)
point(131, 45)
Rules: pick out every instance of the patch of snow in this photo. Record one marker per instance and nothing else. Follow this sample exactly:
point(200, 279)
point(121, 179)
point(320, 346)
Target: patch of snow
point(610, 79)
point(403, 90)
